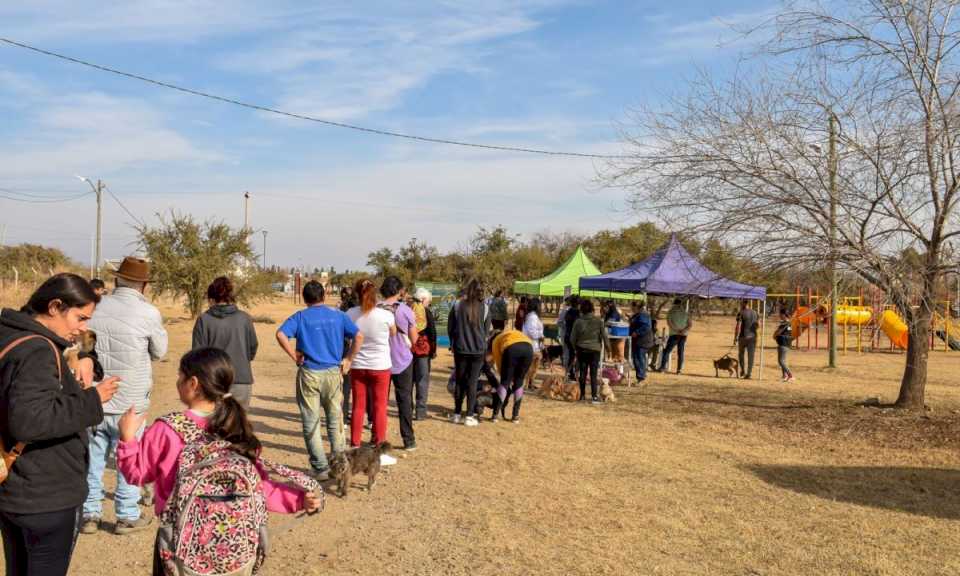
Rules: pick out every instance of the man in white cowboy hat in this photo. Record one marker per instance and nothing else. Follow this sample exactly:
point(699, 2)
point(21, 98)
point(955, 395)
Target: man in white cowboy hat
point(130, 334)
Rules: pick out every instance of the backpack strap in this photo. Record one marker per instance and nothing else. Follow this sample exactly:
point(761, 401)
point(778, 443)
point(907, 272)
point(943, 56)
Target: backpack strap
point(19, 446)
point(23, 339)
point(187, 429)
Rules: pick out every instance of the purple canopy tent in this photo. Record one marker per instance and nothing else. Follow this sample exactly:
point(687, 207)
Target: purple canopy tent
point(672, 270)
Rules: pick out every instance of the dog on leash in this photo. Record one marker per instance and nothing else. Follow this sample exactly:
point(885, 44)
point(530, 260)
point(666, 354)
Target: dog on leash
point(728, 363)
point(360, 460)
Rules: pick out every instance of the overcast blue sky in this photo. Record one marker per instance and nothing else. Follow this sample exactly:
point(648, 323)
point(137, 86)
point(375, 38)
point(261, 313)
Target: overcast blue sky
point(550, 74)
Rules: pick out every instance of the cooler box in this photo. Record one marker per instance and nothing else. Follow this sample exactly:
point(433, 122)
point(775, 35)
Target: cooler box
point(618, 329)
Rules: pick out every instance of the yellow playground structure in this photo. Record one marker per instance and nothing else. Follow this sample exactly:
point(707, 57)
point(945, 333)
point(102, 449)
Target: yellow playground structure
point(860, 326)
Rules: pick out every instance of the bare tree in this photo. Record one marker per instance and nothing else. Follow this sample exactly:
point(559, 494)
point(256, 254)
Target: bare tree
point(864, 120)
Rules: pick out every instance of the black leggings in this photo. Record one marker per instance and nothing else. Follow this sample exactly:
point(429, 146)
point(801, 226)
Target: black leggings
point(588, 359)
point(39, 544)
point(468, 372)
point(514, 364)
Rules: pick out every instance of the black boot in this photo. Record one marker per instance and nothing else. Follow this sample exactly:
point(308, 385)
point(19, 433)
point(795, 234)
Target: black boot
point(516, 409)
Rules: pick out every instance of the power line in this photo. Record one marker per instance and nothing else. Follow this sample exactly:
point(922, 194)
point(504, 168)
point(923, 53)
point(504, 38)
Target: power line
point(34, 199)
point(429, 139)
point(122, 205)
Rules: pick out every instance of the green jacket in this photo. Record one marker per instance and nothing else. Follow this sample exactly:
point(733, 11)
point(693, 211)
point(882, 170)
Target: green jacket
point(589, 332)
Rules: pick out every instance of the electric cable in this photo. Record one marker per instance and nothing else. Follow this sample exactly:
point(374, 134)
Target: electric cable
point(262, 108)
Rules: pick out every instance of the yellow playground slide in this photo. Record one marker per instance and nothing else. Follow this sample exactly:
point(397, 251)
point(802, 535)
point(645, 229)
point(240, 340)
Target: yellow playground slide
point(895, 328)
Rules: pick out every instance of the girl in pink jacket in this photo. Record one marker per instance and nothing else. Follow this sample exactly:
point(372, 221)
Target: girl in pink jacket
point(203, 384)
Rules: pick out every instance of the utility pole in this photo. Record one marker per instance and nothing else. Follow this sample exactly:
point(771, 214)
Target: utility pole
point(246, 211)
point(99, 191)
point(834, 162)
point(264, 249)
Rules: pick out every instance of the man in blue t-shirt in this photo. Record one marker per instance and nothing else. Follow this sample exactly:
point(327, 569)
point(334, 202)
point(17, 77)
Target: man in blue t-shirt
point(319, 331)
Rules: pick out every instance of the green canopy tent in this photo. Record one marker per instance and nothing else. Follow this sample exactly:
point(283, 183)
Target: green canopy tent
point(567, 277)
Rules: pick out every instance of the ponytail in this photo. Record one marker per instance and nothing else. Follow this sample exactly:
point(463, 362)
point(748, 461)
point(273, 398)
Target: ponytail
point(214, 371)
point(366, 292)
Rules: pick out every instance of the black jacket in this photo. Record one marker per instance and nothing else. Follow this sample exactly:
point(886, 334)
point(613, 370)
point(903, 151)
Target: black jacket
point(225, 327)
point(468, 337)
point(51, 416)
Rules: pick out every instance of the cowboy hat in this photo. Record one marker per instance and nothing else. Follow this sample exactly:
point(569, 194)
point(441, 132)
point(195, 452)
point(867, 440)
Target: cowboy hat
point(134, 270)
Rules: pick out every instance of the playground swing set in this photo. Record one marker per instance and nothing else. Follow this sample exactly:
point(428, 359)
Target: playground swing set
point(864, 324)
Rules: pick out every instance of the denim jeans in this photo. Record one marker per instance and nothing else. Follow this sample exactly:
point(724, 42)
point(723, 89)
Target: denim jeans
point(103, 441)
point(639, 361)
point(320, 390)
point(678, 341)
point(750, 347)
point(421, 382)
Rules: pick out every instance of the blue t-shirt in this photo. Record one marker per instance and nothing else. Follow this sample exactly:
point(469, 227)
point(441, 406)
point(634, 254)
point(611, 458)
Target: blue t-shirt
point(319, 331)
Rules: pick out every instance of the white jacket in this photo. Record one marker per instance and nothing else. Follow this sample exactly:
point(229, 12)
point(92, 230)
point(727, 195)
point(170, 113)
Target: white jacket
point(533, 329)
point(130, 334)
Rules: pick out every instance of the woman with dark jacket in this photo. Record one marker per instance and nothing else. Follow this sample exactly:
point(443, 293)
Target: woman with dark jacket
point(230, 329)
point(45, 412)
point(468, 325)
point(589, 338)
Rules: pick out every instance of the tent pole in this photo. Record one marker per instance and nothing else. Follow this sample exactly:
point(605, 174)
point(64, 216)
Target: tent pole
point(763, 340)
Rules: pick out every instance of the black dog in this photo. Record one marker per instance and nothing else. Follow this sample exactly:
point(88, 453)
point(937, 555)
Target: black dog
point(550, 354)
point(361, 460)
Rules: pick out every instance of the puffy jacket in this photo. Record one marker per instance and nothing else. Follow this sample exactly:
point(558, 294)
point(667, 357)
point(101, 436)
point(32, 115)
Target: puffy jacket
point(130, 334)
point(51, 416)
point(225, 327)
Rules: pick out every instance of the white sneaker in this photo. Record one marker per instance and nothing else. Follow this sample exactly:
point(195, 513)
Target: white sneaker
point(470, 421)
point(387, 460)
point(455, 418)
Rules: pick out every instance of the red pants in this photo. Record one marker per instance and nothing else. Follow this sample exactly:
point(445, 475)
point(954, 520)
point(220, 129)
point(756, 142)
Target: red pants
point(373, 385)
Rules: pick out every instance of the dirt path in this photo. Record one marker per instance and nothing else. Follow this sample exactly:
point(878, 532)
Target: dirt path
point(690, 475)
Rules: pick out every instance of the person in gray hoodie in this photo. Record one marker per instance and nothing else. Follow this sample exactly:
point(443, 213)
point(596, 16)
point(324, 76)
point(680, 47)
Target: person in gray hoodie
point(230, 329)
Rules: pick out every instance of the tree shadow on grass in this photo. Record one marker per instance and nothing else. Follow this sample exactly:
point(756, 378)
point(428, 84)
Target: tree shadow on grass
point(734, 402)
point(927, 492)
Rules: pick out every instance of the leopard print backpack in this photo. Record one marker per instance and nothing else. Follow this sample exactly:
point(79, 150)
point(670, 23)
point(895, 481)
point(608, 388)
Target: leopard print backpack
point(215, 521)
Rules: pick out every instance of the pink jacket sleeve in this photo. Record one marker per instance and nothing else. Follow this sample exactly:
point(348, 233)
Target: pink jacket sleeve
point(151, 459)
point(280, 497)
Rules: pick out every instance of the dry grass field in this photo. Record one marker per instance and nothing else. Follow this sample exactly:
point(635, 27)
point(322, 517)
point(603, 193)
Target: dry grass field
point(688, 475)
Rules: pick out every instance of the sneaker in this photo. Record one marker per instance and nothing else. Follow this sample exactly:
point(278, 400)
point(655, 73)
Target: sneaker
point(321, 475)
point(455, 419)
point(410, 447)
point(470, 421)
point(516, 420)
point(147, 497)
point(791, 378)
point(387, 460)
point(494, 418)
point(131, 526)
point(90, 525)
point(595, 400)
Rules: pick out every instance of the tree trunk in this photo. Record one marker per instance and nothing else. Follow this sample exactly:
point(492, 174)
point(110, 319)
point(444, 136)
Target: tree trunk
point(914, 379)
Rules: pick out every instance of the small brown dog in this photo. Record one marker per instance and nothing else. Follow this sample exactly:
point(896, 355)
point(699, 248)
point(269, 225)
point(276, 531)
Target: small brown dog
point(86, 342)
point(571, 392)
point(726, 363)
point(552, 386)
point(606, 391)
point(361, 460)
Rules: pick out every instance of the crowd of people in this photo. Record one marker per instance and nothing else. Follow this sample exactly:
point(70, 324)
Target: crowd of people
point(60, 424)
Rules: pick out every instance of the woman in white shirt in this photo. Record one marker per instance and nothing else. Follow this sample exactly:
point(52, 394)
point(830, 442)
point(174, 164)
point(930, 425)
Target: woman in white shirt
point(533, 329)
point(370, 371)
